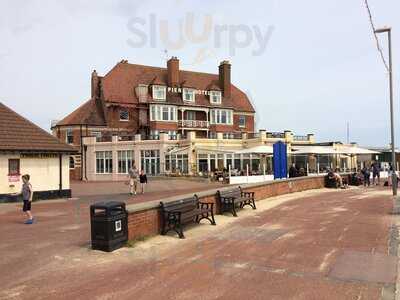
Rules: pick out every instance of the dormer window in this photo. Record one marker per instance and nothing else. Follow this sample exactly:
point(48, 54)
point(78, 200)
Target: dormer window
point(215, 97)
point(124, 115)
point(159, 92)
point(188, 95)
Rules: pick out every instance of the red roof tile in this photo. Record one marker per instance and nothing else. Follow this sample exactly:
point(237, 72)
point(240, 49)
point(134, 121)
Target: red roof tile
point(19, 134)
point(118, 85)
point(87, 114)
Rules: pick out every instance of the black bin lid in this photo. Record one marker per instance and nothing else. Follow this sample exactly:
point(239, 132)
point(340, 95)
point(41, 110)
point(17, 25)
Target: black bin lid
point(108, 205)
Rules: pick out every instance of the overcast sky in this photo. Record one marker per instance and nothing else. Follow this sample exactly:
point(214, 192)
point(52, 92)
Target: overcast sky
point(309, 66)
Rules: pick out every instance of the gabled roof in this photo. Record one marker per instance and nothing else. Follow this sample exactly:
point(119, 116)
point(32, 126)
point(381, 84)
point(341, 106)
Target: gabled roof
point(119, 85)
point(87, 114)
point(19, 134)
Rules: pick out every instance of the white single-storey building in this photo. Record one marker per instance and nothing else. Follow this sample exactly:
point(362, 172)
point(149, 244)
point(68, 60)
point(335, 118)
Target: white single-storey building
point(27, 149)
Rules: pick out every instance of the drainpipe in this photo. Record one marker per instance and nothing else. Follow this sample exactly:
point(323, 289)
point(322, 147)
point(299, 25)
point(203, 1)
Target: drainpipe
point(85, 155)
point(80, 129)
point(60, 185)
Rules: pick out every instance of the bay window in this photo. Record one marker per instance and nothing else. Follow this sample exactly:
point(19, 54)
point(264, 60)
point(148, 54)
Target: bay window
point(164, 113)
point(221, 116)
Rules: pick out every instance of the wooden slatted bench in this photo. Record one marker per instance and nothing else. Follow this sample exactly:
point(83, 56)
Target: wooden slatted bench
point(189, 210)
point(232, 198)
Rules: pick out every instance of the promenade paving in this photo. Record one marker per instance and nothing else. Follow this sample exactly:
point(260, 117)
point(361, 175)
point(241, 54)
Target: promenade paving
point(320, 244)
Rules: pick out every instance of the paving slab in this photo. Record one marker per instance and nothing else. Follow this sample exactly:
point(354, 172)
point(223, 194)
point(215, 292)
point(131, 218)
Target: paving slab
point(365, 266)
point(322, 244)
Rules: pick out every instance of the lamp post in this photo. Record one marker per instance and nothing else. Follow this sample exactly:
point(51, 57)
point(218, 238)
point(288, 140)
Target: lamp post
point(394, 175)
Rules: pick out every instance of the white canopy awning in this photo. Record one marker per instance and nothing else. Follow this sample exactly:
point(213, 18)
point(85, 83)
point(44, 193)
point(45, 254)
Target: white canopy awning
point(214, 150)
point(349, 150)
point(179, 150)
point(262, 149)
point(299, 150)
point(355, 150)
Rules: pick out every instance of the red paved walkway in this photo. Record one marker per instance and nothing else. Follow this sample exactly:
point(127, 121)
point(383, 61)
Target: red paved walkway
point(330, 245)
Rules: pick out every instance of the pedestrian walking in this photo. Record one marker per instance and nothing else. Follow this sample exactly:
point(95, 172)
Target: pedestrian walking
point(143, 181)
point(133, 175)
point(27, 194)
point(366, 172)
point(376, 170)
point(390, 173)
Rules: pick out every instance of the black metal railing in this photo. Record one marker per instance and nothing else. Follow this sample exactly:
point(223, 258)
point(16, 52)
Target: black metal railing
point(300, 138)
point(275, 135)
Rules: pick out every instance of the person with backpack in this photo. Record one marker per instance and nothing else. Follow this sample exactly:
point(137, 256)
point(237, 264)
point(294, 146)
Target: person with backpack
point(376, 173)
point(366, 172)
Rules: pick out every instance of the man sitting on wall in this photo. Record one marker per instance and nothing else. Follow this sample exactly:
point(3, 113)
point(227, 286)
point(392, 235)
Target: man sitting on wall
point(335, 178)
point(339, 179)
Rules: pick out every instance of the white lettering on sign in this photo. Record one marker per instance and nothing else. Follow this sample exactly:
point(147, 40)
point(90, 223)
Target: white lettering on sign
point(179, 91)
point(118, 225)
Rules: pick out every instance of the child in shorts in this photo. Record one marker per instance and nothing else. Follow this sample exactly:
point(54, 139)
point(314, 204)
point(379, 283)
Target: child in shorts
point(27, 194)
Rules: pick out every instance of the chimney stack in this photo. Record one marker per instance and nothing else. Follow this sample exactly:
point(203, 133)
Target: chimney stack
point(225, 78)
point(95, 85)
point(173, 71)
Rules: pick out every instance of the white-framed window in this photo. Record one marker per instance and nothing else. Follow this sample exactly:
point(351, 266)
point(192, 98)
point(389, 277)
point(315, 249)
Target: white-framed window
point(188, 94)
point(104, 162)
point(221, 116)
point(166, 113)
point(242, 121)
point(69, 136)
point(125, 161)
point(191, 115)
point(124, 115)
point(215, 97)
point(159, 92)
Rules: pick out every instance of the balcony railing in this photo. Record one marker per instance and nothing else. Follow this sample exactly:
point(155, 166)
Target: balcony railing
point(276, 135)
point(302, 138)
point(253, 135)
point(150, 137)
point(232, 136)
point(193, 124)
point(125, 138)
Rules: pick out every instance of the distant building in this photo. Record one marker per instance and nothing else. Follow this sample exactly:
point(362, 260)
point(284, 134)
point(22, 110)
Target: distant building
point(27, 149)
point(135, 99)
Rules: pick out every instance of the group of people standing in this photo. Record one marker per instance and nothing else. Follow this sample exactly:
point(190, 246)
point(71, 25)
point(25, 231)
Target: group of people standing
point(376, 170)
point(136, 177)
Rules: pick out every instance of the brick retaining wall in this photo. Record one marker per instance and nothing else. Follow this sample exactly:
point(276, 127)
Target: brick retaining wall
point(144, 218)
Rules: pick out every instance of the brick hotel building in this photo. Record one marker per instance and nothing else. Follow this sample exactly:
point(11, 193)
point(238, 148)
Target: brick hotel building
point(141, 100)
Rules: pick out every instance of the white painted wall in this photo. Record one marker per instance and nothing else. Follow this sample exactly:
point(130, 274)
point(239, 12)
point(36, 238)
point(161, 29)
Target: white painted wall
point(250, 179)
point(44, 173)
